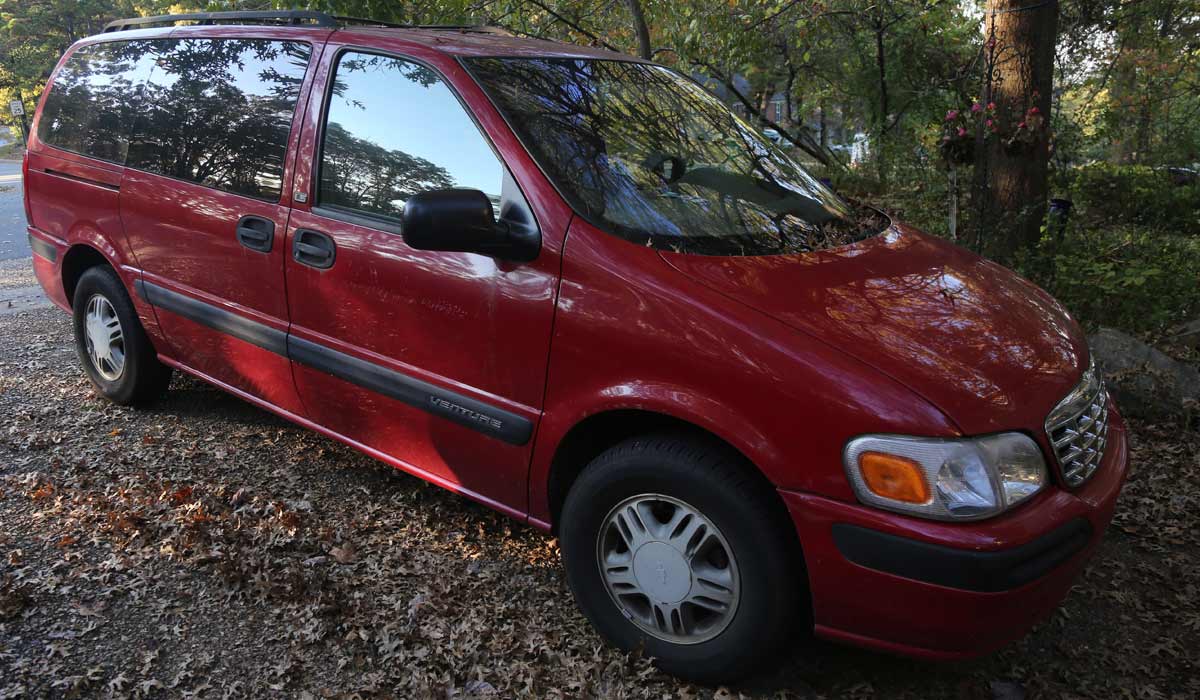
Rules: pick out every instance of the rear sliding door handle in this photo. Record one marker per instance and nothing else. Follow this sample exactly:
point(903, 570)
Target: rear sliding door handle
point(313, 248)
point(256, 233)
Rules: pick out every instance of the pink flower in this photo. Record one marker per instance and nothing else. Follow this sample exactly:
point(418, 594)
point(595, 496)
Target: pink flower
point(989, 122)
point(951, 115)
point(992, 106)
point(962, 132)
point(976, 107)
point(1021, 125)
point(1034, 110)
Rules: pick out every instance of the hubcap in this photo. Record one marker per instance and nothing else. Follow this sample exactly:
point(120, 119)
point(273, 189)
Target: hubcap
point(104, 338)
point(669, 570)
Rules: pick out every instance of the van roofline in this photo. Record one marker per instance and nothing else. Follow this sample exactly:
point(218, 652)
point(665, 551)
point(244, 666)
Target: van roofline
point(285, 18)
point(460, 41)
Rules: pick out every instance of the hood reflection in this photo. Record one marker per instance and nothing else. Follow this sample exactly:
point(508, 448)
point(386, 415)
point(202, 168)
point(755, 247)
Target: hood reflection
point(987, 347)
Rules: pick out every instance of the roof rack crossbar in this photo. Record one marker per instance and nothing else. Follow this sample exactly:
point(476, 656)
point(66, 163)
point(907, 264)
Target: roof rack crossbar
point(370, 22)
point(293, 17)
point(289, 17)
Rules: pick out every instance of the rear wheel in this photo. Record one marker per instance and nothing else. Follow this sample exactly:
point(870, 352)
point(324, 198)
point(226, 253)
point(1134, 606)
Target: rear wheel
point(111, 343)
point(672, 543)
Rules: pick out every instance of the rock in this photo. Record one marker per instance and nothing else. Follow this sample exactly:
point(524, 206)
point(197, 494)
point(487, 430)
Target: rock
point(1189, 334)
point(1145, 382)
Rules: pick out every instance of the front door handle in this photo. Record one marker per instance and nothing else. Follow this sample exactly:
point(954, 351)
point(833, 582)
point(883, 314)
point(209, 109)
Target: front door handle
point(256, 233)
point(313, 248)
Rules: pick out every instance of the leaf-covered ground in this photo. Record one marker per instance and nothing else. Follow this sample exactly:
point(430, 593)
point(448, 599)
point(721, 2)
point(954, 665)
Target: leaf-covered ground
point(205, 548)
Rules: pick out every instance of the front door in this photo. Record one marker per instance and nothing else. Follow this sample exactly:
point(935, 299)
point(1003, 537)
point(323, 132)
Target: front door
point(435, 361)
point(202, 204)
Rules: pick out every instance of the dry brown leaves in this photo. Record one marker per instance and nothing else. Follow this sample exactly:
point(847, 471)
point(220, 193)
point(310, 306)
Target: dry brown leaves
point(202, 548)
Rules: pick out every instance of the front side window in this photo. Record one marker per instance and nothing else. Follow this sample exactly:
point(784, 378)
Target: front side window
point(394, 129)
point(219, 112)
point(651, 156)
point(96, 96)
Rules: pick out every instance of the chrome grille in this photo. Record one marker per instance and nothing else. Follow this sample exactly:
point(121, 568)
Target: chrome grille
point(1078, 428)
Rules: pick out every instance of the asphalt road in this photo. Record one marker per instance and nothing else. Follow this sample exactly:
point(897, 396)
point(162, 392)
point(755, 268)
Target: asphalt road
point(13, 243)
point(19, 290)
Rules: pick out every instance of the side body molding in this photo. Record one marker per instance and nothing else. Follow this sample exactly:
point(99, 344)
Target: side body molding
point(451, 405)
point(213, 317)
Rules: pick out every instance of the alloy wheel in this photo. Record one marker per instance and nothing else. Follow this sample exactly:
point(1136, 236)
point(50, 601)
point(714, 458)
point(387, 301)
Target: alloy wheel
point(104, 338)
point(668, 568)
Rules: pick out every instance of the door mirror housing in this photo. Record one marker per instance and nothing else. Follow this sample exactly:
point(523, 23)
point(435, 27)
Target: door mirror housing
point(462, 220)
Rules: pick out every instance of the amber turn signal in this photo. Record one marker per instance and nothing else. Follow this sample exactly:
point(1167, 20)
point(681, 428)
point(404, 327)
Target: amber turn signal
point(897, 478)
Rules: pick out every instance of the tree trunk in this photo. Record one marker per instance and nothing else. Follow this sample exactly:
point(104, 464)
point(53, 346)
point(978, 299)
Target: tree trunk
point(884, 107)
point(1011, 173)
point(824, 127)
point(789, 116)
point(1125, 87)
point(640, 28)
point(1123, 90)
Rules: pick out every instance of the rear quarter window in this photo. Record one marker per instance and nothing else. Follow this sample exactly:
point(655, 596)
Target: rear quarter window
point(96, 96)
point(217, 112)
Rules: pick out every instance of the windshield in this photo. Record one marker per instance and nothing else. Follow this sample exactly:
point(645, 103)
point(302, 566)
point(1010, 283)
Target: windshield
point(651, 156)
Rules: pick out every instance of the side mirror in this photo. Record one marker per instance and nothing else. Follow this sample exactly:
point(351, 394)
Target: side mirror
point(460, 220)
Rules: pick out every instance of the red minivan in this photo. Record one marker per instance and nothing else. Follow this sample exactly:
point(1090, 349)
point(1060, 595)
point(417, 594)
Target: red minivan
point(571, 285)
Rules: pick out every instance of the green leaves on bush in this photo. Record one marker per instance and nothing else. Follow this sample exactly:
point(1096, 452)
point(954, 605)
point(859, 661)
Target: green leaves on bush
point(1127, 276)
point(1133, 194)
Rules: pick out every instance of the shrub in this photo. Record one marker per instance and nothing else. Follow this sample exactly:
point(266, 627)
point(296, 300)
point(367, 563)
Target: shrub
point(1130, 277)
point(1121, 261)
point(1104, 194)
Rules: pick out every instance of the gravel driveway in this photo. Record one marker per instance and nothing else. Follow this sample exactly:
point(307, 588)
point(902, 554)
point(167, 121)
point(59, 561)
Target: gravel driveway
point(205, 548)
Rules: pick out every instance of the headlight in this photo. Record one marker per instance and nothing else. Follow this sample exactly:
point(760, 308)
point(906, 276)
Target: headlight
point(945, 479)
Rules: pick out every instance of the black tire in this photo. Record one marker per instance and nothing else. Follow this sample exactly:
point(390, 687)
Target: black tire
point(142, 377)
point(773, 604)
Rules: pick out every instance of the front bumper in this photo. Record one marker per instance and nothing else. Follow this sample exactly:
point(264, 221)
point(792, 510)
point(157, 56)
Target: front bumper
point(951, 590)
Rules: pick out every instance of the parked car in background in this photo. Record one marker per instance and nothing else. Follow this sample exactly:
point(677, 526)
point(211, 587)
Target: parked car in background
point(1181, 176)
point(571, 285)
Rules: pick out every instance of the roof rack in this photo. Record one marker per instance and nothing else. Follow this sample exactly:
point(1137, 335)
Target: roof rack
point(284, 17)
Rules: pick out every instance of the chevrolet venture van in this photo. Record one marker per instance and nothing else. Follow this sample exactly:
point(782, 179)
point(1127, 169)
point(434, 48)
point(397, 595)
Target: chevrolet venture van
point(571, 285)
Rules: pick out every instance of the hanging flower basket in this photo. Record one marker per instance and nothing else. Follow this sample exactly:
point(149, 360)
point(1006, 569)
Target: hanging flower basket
point(959, 128)
point(958, 150)
point(1027, 135)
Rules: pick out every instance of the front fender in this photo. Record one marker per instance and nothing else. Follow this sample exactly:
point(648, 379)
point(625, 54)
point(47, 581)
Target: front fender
point(679, 403)
point(630, 332)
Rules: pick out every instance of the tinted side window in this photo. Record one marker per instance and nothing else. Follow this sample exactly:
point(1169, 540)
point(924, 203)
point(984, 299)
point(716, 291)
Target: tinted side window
point(96, 97)
point(219, 113)
point(394, 129)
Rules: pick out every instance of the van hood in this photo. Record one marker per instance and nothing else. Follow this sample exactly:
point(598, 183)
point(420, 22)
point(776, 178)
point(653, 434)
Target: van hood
point(990, 349)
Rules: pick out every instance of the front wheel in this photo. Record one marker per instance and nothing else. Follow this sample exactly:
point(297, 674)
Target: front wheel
point(111, 343)
point(671, 542)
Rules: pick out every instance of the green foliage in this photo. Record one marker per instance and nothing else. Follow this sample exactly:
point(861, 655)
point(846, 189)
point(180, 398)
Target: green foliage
point(1125, 92)
point(35, 33)
point(1130, 277)
point(1106, 194)
point(1130, 256)
point(917, 195)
